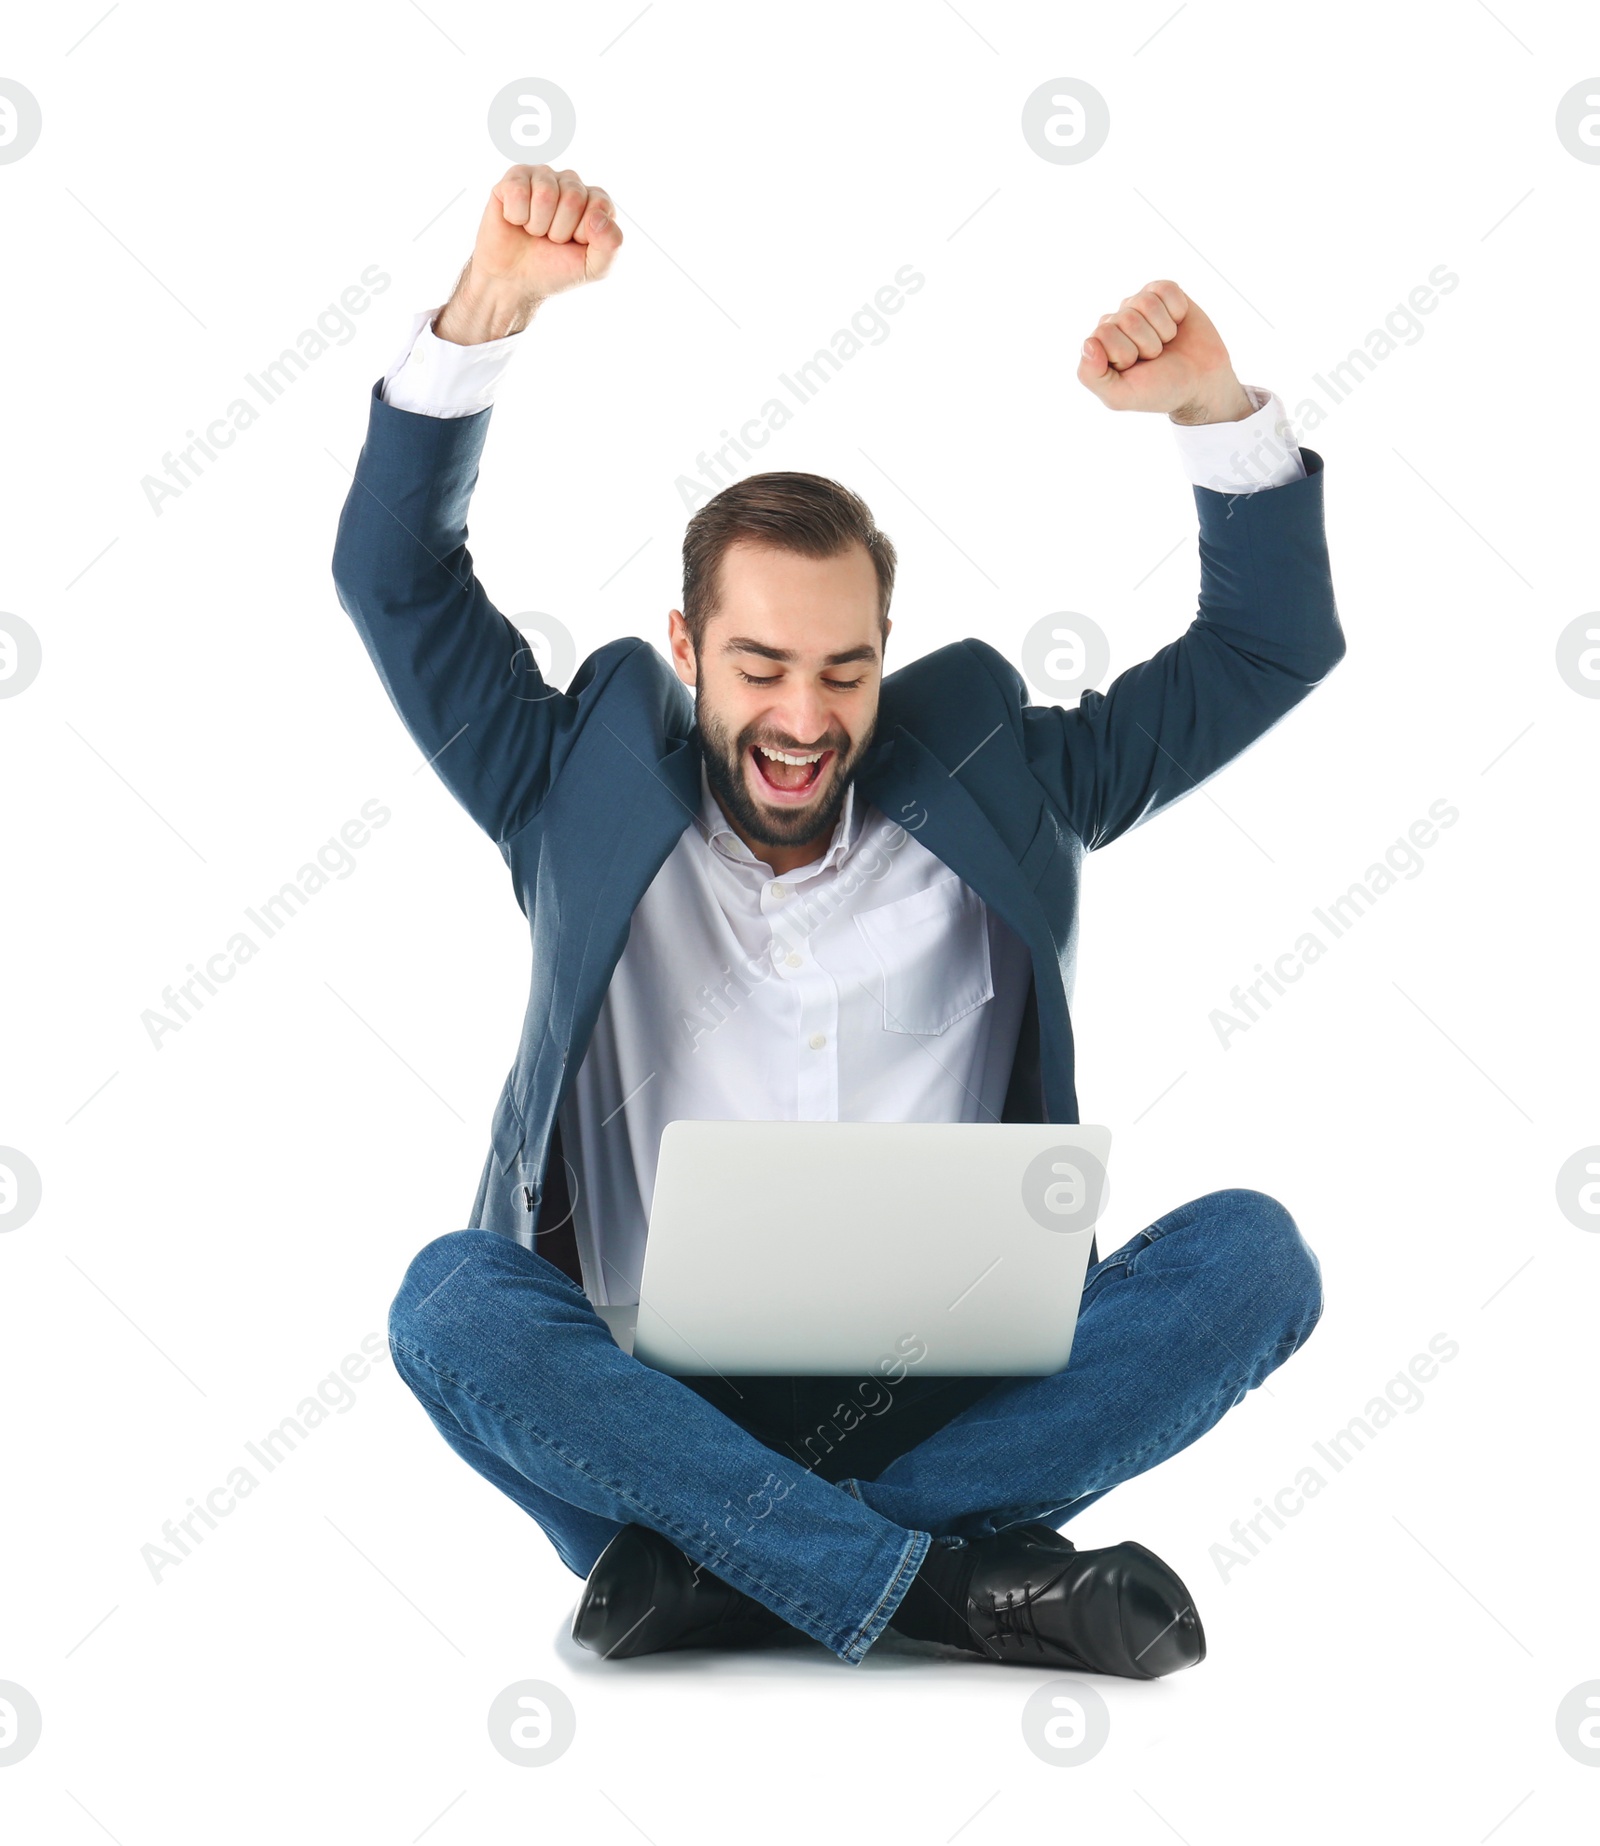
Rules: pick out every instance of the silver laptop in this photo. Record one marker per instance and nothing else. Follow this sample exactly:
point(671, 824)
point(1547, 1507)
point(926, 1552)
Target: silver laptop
point(818, 1248)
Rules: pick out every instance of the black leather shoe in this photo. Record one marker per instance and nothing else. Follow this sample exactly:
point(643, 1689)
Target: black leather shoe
point(644, 1596)
point(1028, 1597)
point(1046, 1535)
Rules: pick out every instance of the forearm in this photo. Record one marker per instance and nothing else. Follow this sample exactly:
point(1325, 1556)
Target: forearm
point(1266, 633)
point(1222, 401)
point(1267, 628)
point(434, 377)
point(483, 308)
point(1242, 455)
point(458, 671)
point(460, 675)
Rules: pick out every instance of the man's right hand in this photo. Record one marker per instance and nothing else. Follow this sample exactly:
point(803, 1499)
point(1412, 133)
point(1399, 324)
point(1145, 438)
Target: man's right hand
point(542, 232)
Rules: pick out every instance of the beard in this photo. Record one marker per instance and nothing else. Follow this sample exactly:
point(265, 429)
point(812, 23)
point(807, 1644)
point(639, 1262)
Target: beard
point(724, 756)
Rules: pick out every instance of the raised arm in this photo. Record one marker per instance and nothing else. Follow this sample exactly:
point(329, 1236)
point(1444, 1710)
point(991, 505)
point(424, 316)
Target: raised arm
point(1267, 630)
point(461, 676)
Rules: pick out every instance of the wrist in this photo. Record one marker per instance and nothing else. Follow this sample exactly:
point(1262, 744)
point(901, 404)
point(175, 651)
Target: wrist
point(1221, 401)
point(483, 309)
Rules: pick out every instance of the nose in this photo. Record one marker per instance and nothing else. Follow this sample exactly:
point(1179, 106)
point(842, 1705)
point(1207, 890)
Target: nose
point(804, 719)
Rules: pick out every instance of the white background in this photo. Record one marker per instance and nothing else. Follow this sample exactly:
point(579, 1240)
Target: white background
point(226, 1217)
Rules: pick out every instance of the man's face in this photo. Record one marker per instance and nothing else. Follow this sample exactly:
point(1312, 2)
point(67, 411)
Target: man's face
point(791, 660)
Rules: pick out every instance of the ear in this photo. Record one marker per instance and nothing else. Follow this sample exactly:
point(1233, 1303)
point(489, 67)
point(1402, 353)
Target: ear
point(680, 646)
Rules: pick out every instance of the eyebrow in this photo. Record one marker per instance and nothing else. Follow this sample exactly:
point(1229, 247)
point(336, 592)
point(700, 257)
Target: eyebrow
point(743, 644)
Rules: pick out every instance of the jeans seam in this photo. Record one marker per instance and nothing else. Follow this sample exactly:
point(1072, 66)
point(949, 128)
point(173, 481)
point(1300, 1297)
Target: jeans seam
point(1125, 1468)
point(621, 1492)
point(918, 1545)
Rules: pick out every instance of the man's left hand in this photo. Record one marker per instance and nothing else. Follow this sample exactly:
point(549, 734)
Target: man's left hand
point(1159, 351)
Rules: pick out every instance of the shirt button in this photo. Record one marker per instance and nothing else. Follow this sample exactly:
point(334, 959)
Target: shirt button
point(817, 1041)
point(779, 890)
point(794, 961)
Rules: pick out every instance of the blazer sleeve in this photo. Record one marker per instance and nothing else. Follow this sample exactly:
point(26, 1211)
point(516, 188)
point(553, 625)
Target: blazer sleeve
point(461, 676)
point(1266, 633)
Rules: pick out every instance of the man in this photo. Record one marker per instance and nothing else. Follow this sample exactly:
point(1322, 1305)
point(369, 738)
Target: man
point(815, 892)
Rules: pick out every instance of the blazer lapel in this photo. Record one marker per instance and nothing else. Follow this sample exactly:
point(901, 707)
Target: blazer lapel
point(913, 788)
point(665, 798)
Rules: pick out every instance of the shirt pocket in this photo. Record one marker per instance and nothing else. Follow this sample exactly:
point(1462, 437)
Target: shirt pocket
point(932, 954)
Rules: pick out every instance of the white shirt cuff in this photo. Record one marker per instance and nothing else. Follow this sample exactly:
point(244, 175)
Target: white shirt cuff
point(438, 379)
point(1242, 458)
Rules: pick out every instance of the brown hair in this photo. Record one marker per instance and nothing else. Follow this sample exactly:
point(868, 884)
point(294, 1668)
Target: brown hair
point(806, 513)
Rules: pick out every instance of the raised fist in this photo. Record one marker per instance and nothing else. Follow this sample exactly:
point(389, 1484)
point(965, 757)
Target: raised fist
point(541, 233)
point(1159, 351)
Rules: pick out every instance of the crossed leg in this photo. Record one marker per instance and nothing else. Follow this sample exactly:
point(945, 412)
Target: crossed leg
point(525, 1382)
point(1174, 1329)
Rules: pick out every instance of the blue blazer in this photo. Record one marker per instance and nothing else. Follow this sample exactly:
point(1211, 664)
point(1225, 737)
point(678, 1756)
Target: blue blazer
point(585, 791)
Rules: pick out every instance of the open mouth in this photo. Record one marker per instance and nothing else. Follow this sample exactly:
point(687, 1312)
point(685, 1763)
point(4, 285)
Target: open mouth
point(788, 775)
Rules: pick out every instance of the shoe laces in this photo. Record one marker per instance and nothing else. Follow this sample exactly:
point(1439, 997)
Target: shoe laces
point(1013, 1620)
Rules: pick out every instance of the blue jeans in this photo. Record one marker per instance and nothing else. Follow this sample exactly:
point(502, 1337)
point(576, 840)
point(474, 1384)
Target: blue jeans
point(820, 1497)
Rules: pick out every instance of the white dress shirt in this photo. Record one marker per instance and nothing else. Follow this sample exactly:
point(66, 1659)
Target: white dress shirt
point(870, 985)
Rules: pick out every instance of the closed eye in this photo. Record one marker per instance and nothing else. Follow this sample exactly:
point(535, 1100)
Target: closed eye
point(837, 685)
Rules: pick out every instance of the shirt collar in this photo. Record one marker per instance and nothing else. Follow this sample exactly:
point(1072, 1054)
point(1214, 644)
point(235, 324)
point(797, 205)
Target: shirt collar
point(721, 837)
